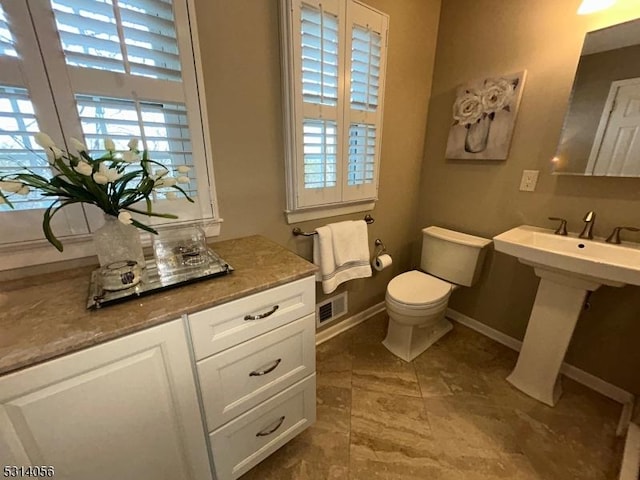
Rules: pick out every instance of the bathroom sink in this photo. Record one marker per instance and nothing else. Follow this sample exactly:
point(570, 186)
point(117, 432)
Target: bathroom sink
point(595, 260)
point(569, 269)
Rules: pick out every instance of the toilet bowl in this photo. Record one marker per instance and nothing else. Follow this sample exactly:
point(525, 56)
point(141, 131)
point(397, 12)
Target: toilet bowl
point(416, 304)
point(417, 301)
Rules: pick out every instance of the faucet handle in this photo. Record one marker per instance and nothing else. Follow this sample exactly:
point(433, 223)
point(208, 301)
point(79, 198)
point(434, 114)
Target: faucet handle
point(615, 235)
point(562, 228)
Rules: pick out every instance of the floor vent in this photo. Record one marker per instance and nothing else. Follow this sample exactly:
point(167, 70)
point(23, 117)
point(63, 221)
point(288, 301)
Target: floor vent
point(331, 309)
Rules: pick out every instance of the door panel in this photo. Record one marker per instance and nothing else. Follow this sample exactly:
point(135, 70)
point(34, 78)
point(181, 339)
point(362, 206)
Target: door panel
point(620, 147)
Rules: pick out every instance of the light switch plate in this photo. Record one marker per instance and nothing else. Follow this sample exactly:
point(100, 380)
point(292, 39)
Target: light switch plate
point(529, 180)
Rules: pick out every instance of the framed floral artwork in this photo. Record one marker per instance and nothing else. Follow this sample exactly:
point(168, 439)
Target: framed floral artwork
point(484, 115)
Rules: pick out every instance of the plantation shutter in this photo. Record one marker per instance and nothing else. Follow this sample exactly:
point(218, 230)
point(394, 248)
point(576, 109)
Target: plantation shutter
point(26, 107)
point(318, 62)
point(335, 64)
point(18, 122)
point(131, 75)
point(163, 127)
point(136, 37)
point(6, 38)
point(366, 45)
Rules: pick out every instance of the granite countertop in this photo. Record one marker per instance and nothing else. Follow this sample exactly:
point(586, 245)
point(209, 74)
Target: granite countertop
point(45, 317)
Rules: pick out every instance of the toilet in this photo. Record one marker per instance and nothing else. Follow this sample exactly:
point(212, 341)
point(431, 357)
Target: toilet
point(417, 300)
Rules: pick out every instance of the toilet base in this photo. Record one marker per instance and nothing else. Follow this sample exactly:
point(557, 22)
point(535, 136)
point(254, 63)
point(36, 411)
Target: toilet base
point(407, 342)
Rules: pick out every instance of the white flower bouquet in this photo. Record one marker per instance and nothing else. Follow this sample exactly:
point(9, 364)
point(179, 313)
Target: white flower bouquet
point(473, 105)
point(109, 182)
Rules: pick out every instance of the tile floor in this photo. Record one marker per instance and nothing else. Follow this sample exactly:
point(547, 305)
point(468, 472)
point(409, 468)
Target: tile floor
point(447, 415)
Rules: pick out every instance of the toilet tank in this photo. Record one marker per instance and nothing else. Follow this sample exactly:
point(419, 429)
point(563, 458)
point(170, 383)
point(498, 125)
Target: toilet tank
point(453, 256)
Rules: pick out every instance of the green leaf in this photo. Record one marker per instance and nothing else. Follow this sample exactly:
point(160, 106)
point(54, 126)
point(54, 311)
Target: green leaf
point(183, 192)
point(6, 200)
point(151, 214)
point(123, 182)
point(46, 227)
point(142, 226)
point(68, 172)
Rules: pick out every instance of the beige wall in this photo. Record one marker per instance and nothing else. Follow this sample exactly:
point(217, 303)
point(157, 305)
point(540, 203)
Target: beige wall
point(480, 38)
point(241, 59)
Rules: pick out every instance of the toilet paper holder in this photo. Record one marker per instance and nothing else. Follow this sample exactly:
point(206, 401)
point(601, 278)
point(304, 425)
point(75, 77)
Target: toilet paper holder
point(380, 248)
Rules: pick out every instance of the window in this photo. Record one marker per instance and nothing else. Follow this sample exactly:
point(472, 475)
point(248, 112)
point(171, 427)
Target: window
point(334, 70)
point(93, 69)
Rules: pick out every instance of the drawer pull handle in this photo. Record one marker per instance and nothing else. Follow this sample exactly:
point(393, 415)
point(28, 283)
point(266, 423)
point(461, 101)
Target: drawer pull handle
point(264, 433)
point(262, 315)
point(259, 373)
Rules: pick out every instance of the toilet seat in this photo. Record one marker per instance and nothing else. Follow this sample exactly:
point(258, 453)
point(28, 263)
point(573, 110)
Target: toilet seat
point(418, 290)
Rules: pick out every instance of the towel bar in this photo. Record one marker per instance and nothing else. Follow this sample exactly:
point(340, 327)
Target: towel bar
point(296, 231)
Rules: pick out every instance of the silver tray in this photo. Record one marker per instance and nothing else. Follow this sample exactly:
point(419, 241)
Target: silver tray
point(152, 282)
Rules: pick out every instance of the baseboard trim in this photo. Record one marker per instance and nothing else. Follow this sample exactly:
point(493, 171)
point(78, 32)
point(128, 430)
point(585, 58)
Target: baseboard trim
point(631, 456)
point(350, 322)
point(601, 386)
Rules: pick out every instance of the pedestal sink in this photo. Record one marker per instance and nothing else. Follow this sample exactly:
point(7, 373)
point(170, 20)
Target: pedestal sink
point(569, 268)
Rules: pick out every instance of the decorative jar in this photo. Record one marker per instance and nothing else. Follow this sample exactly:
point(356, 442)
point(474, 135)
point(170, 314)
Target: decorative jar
point(117, 242)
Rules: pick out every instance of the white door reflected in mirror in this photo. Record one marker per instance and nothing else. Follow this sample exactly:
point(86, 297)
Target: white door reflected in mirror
point(616, 147)
point(601, 127)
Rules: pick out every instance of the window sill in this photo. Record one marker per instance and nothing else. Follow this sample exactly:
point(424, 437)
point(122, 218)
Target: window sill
point(302, 215)
point(39, 252)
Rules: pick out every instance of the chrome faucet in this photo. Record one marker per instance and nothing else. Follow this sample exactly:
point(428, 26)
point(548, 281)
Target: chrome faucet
point(589, 220)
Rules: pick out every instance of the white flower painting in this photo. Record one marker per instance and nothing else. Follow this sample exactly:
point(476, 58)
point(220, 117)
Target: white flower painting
point(484, 115)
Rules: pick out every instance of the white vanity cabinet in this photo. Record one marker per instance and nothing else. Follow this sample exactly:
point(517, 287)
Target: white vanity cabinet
point(255, 359)
point(126, 409)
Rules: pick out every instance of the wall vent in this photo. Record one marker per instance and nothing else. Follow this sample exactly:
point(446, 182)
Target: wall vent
point(331, 309)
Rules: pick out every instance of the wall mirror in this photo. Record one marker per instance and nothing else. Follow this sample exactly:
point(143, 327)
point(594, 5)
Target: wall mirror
point(601, 133)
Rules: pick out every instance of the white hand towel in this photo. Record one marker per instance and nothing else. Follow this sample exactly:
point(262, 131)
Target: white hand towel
point(331, 274)
point(350, 241)
point(323, 252)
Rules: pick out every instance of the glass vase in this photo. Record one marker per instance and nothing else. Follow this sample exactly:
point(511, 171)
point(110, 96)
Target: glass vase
point(117, 242)
point(478, 135)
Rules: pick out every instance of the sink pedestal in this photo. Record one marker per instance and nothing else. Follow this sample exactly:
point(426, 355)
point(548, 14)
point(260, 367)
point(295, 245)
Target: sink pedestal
point(558, 304)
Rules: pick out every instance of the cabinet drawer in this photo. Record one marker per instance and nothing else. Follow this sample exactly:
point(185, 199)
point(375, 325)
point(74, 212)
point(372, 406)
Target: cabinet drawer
point(241, 377)
point(245, 441)
point(226, 325)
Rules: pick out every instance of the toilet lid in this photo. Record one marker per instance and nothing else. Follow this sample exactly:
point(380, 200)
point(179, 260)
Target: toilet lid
point(417, 288)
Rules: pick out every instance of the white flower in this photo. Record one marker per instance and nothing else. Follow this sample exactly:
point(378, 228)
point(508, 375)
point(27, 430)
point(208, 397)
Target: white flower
point(161, 172)
point(83, 168)
point(497, 94)
point(44, 140)
point(77, 144)
point(109, 145)
point(111, 173)
point(133, 144)
point(183, 169)
point(171, 195)
point(24, 191)
point(130, 157)
point(468, 109)
point(125, 217)
point(100, 179)
point(183, 179)
point(53, 154)
point(168, 182)
point(10, 186)
point(57, 153)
